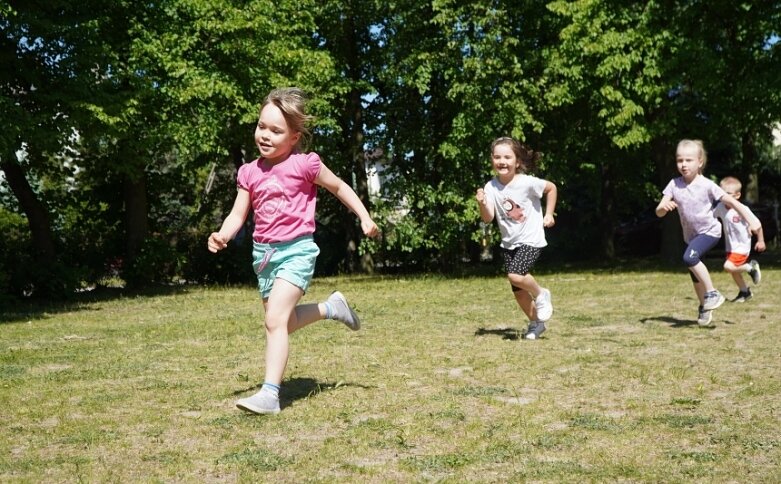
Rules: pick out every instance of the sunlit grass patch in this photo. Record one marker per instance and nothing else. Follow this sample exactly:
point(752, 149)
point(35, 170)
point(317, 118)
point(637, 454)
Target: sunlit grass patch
point(438, 385)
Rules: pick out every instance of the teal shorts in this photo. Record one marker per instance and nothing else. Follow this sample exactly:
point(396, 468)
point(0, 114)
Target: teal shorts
point(292, 261)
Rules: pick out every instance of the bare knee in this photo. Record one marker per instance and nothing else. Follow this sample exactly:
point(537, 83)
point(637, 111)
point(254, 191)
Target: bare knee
point(518, 280)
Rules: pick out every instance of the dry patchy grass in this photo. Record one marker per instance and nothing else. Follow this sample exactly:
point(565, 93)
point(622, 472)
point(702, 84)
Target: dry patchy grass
point(437, 386)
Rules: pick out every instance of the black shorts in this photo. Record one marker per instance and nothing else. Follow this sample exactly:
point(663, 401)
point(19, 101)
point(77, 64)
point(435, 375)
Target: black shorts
point(521, 259)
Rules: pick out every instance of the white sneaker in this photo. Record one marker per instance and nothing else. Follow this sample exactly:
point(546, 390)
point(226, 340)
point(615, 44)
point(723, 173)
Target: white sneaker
point(755, 273)
point(535, 330)
point(342, 311)
point(713, 299)
point(704, 317)
point(544, 305)
point(263, 402)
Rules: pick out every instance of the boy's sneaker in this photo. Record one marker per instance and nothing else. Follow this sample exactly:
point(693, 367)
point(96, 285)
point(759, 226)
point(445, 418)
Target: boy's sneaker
point(536, 328)
point(755, 273)
point(713, 299)
point(743, 296)
point(544, 306)
point(704, 317)
point(263, 402)
point(342, 312)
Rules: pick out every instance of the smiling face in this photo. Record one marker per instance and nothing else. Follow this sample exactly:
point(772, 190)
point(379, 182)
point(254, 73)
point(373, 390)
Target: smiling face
point(688, 161)
point(273, 135)
point(505, 162)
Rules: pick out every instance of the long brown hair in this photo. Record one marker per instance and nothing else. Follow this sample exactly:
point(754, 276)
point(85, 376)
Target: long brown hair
point(526, 156)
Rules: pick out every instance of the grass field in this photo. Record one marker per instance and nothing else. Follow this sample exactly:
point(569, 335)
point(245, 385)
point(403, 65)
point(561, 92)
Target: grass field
point(437, 386)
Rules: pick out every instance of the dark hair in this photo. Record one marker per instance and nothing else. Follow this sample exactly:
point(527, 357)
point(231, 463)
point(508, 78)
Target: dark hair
point(526, 156)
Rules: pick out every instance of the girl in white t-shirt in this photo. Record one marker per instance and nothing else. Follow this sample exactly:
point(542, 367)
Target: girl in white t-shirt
point(514, 199)
point(695, 197)
point(281, 187)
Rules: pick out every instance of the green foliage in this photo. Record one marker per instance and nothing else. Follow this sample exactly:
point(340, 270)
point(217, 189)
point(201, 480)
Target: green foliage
point(124, 109)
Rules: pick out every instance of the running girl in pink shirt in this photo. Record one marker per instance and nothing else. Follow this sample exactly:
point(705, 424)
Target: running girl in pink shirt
point(281, 188)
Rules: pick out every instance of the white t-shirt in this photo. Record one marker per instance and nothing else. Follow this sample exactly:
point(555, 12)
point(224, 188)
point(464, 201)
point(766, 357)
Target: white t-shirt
point(518, 210)
point(737, 235)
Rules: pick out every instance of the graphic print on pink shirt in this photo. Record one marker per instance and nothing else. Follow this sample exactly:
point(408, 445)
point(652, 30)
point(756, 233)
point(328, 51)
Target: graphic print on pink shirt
point(273, 199)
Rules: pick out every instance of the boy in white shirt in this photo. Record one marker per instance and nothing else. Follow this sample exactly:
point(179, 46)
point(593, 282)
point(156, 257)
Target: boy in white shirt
point(737, 242)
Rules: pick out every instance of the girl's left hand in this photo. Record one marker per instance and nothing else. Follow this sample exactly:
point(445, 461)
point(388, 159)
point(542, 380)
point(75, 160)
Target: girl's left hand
point(369, 228)
point(548, 221)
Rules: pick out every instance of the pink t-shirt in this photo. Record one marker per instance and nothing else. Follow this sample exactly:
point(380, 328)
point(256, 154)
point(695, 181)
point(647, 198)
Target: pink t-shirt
point(696, 205)
point(283, 196)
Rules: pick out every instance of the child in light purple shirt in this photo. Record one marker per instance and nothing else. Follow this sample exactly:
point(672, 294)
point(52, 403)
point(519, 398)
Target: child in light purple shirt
point(695, 197)
point(281, 187)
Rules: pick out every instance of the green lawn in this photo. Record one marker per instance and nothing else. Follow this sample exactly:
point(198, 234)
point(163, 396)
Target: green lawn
point(623, 386)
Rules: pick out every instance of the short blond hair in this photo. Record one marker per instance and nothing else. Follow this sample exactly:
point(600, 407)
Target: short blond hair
point(730, 183)
point(697, 144)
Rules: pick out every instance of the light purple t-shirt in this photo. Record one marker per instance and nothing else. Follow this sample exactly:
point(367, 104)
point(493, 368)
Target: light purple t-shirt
point(696, 205)
point(518, 210)
point(283, 196)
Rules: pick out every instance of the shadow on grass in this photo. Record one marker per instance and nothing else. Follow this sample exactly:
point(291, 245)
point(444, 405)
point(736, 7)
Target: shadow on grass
point(16, 309)
point(505, 333)
point(302, 388)
point(674, 322)
point(20, 310)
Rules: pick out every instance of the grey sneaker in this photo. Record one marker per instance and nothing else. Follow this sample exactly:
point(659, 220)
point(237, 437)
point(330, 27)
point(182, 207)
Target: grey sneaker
point(535, 330)
point(342, 311)
point(704, 317)
point(713, 299)
point(743, 296)
point(544, 305)
point(755, 273)
point(263, 402)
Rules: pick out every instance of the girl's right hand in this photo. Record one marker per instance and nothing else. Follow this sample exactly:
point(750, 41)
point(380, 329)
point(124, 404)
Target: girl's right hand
point(668, 206)
point(480, 196)
point(216, 242)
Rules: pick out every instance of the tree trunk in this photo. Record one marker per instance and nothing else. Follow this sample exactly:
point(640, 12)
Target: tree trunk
point(607, 216)
point(37, 215)
point(136, 214)
point(355, 143)
point(237, 155)
point(672, 237)
point(749, 177)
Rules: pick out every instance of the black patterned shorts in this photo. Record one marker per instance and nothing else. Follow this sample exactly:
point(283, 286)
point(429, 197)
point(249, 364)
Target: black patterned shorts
point(521, 259)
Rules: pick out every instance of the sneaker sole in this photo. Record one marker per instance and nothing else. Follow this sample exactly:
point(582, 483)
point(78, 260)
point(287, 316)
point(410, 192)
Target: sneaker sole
point(248, 407)
point(758, 272)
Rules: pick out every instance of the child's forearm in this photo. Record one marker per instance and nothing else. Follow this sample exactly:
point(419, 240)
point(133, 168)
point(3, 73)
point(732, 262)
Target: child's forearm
point(350, 199)
point(231, 226)
point(485, 215)
point(551, 198)
point(747, 215)
point(760, 236)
